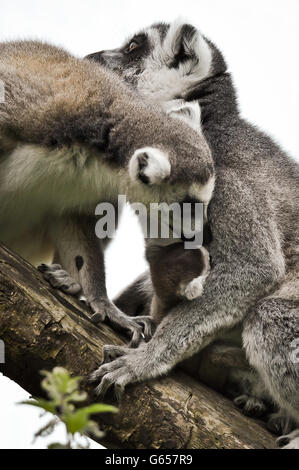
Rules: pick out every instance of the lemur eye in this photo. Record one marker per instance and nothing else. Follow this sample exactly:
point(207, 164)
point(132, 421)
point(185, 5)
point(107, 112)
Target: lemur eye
point(132, 46)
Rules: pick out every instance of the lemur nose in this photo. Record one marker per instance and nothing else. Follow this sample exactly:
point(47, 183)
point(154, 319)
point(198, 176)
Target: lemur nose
point(96, 56)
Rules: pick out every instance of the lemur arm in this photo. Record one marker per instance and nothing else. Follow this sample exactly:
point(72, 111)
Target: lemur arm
point(247, 263)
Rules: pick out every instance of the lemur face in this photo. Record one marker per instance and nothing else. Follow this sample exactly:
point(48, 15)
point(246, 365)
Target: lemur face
point(164, 61)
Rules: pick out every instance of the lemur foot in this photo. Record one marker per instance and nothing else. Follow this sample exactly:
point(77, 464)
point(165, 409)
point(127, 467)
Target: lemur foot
point(59, 278)
point(149, 165)
point(289, 441)
point(251, 406)
point(279, 423)
point(140, 327)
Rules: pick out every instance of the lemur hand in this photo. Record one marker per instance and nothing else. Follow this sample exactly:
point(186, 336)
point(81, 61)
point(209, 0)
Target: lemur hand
point(60, 279)
point(194, 289)
point(130, 366)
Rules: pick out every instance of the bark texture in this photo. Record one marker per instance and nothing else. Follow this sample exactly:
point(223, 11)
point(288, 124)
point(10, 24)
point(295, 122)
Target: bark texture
point(42, 328)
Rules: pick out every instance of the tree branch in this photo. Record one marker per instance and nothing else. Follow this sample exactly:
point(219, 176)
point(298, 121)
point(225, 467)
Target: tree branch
point(42, 328)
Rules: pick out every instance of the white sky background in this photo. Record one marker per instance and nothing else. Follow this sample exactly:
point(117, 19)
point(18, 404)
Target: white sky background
point(260, 41)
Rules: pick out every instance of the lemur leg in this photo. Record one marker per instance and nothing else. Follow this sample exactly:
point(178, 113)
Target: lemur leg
point(67, 279)
point(271, 340)
point(241, 383)
point(81, 255)
point(184, 331)
point(231, 374)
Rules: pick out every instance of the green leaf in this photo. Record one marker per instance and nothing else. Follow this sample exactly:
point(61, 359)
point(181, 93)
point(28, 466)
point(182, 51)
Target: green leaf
point(100, 408)
point(63, 391)
point(79, 420)
point(40, 403)
point(59, 383)
point(76, 422)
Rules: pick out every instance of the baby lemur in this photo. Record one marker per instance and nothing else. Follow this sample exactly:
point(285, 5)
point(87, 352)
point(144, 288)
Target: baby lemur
point(176, 273)
point(72, 134)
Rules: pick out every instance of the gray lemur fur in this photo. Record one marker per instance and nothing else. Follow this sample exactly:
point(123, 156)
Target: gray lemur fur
point(72, 134)
point(253, 217)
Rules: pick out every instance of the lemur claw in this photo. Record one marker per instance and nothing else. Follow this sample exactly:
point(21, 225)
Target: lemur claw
point(127, 367)
point(139, 327)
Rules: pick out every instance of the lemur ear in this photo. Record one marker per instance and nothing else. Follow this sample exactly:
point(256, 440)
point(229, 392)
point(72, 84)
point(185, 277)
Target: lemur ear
point(182, 40)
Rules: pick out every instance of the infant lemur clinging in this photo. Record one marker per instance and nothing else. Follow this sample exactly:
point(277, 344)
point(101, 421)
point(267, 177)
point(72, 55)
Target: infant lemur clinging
point(72, 134)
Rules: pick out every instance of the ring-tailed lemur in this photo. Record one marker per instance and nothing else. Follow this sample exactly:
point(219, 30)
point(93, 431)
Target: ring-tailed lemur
point(253, 216)
point(71, 133)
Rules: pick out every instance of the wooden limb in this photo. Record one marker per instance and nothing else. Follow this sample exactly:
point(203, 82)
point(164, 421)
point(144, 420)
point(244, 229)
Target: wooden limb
point(42, 328)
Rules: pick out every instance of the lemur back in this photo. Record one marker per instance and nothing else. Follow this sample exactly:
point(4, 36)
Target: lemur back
point(72, 135)
point(67, 131)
